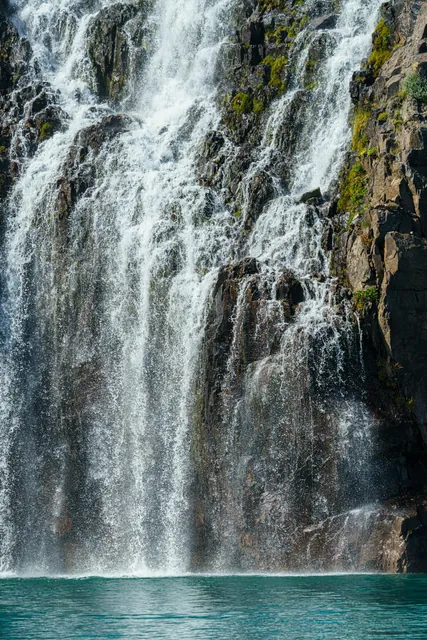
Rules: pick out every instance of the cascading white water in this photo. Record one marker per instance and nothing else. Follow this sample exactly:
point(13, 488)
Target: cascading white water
point(124, 304)
point(294, 399)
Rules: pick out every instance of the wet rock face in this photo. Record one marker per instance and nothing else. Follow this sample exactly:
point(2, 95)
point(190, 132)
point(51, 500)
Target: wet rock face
point(117, 45)
point(234, 344)
point(254, 68)
point(79, 173)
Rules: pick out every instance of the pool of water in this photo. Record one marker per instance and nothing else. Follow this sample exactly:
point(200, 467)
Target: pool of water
point(218, 608)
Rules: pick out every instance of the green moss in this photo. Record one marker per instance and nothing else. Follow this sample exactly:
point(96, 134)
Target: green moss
point(277, 67)
point(46, 131)
point(280, 34)
point(372, 152)
point(365, 297)
point(311, 86)
point(406, 404)
point(416, 87)
point(382, 117)
point(245, 103)
point(402, 95)
point(383, 44)
point(353, 192)
point(242, 103)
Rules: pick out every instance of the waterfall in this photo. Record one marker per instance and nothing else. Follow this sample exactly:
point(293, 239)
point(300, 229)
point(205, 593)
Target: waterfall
point(106, 306)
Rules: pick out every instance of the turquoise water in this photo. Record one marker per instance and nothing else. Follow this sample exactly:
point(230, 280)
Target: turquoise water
point(217, 608)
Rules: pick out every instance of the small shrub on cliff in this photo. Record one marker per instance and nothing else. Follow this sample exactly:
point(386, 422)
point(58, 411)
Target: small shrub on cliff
point(364, 297)
point(417, 87)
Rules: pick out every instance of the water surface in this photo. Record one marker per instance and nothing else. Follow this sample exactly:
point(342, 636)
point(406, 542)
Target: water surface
point(216, 608)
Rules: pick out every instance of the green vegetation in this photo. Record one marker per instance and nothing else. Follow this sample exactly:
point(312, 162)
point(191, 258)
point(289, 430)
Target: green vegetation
point(311, 86)
point(46, 131)
point(5, 50)
point(382, 49)
point(277, 67)
point(398, 120)
point(245, 103)
point(360, 122)
point(366, 239)
point(388, 376)
point(258, 105)
point(383, 117)
point(353, 192)
point(370, 152)
point(416, 87)
point(407, 404)
point(364, 297)
point(280, 34)
point(242, 103)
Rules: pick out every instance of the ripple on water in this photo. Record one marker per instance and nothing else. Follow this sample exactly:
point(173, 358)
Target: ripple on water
point(216, 608)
